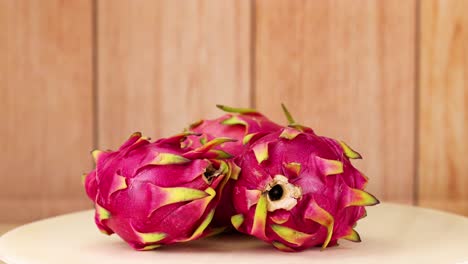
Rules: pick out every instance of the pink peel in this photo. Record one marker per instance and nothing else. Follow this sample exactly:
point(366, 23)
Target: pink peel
point(154, 194)
point(331, 197)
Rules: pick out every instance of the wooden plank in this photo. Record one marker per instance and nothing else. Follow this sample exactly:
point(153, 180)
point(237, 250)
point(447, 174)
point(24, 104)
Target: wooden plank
point(163, 64)
point(443, 107)
point(46, 107)
point(5, 227)
point(345, 68)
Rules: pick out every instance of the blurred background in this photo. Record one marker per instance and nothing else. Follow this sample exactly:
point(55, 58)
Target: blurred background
point(388, 77)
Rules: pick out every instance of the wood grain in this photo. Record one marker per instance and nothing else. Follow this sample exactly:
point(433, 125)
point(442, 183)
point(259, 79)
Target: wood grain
point(443, 107)
point(164, 64)
point(46, 107)
point(345, 68)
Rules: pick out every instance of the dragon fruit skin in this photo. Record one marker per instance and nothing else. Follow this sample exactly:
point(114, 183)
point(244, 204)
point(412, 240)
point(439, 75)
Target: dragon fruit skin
point(241, 124)
point(154, 194)
point(297, 190)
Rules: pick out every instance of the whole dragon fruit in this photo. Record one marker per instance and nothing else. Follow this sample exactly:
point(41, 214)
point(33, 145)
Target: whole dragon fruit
point(159, 193)
point(297, 190)
point(241, 124)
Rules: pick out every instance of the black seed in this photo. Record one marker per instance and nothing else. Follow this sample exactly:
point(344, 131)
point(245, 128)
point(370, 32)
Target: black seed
point(276, 192)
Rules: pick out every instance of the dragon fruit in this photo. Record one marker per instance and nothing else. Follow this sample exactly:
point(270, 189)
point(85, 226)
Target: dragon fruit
point(241, 124)
point(297, 190)
point(153, 194)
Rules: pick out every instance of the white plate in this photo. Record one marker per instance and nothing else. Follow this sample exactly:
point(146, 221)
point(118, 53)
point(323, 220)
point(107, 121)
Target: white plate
point(391, 234)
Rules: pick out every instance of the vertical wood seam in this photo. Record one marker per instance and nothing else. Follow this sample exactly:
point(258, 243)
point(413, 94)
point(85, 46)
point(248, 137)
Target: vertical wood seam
point(252, 61)
point(95, 73)
point(417, 69)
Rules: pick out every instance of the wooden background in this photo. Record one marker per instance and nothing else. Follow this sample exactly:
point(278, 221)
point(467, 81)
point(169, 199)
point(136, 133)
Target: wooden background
point(388, 77)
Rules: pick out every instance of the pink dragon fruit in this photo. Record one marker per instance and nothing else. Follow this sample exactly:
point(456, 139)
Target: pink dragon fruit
point(297, 190)
point(154, 194)
point(240, 124)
